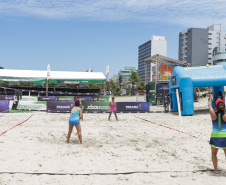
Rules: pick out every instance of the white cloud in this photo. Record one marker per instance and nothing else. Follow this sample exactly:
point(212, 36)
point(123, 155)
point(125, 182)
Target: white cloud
point(188, 13)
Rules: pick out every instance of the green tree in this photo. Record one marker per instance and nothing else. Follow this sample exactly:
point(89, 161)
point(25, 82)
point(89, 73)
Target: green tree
point(141, 87)
point(113, 87)
point(120, 81)
point(1, 67)
point(134, 79)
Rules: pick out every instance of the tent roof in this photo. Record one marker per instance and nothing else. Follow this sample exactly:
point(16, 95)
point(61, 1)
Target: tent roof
point(164, 60)
point(57, 75)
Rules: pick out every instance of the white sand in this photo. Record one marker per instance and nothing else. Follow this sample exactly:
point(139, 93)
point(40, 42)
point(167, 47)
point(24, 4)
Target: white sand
point(129, 145)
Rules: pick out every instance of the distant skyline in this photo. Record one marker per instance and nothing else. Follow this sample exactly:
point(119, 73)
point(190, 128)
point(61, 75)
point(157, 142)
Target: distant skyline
point(77, 35)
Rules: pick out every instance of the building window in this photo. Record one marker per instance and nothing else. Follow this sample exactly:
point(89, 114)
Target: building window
point(209, 33)
point(209, 43)
point(209, 53)
point(209, 58)
point(209, 38)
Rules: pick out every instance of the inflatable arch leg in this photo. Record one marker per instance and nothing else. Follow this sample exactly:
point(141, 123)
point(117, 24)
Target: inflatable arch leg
point(215, 91)
point(186, 96)
point(174, 107)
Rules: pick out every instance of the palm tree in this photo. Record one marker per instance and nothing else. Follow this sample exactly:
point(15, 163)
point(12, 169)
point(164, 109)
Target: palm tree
point(134, 78)
point(120, 81)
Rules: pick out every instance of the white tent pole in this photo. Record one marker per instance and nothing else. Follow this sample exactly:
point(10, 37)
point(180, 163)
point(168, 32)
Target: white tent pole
point(47, 79)
point(178, 104)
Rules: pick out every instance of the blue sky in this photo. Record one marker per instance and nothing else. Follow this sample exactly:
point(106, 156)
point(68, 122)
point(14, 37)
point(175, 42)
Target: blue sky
point(74, 35)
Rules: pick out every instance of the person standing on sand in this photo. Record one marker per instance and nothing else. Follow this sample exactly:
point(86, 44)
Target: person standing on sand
point(218, 135)
point(80, 101)
point(74, 120)
point(112, 109)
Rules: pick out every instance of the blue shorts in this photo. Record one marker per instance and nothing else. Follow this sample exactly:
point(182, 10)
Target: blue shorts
point(77, 122)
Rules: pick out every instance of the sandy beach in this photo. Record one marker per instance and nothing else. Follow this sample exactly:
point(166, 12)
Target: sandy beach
point(140, 148)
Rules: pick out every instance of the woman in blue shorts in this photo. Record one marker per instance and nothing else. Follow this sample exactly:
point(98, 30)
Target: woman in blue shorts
point(218, 135)
point(74, 120)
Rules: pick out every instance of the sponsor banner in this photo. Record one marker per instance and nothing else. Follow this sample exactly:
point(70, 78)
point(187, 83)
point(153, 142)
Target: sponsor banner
point(54, 106)
point(65, 98)
point(37, 85)
point(6, 97)
point(94, 86)
point(76, 81)
point(84, 86)
point(84, 98)
point(73, 86)
point(162, 88)
point(132, 107)
point(47, 98)
point(95, 106)
point(30, 98)
point(4, 106)
point(25, 84)
point(28, 105)
point(4, 84)
point(23, 80)
point(60, 86)
point(166, 71)
point(14, 84)
point(101, 98)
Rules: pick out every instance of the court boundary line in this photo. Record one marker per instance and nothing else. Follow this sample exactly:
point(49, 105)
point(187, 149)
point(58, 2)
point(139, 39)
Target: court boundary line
point(16, 125)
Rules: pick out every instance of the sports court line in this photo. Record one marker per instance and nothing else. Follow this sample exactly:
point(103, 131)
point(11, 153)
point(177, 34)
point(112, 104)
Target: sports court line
point(16, 125)
point(169, 128)
point(117, 173)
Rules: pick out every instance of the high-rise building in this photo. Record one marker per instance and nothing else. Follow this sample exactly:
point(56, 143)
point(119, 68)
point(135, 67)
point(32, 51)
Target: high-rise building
point(125, 74)
point(199, 46)
point(157, 45)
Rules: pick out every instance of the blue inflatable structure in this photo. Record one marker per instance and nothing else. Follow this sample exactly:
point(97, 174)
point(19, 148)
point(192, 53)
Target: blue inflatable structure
point(185, 78)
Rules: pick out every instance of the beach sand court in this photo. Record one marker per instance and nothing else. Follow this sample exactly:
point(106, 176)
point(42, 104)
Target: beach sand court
point(140, 148)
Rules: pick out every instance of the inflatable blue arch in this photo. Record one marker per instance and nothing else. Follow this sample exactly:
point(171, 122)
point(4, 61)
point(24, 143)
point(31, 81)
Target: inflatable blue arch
point(185, 78)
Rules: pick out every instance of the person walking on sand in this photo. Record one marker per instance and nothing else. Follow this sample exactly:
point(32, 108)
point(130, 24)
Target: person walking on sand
point(218, 135)
point(74, 120)
point(112, 109)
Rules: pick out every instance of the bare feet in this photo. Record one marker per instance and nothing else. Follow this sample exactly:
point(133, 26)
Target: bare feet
point(215, 172)
point(67, 141)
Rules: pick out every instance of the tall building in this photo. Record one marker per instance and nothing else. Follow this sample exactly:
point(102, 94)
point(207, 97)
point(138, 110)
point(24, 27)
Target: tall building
point(125, 74)
point(199, 46)
point(157, 45)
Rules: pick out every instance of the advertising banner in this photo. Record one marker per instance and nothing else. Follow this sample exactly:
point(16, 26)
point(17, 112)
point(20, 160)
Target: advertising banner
point(56, 106)
point(95, 106)
point(84, 86)
point(28, 105)
point(14, 84)
point(29, 98)
point(162, 89)
point(37, 85)
point(133, 107)
point(65, 98)
point(73, 86)
point(94, 86)
point(6, 97)
point(84, 98)
point(101, 98)
point(4, 84)
point(25, 84)
point(4, 106)
point(166, 71)
point(47, 98)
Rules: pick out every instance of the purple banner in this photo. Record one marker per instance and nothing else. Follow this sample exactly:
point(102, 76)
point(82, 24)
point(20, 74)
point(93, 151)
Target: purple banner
point(4, 106)
point(133, 107)
point(84, 98)
point(57, 106)
point(6, 97)
point(47, 98)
